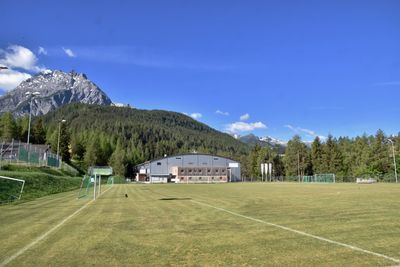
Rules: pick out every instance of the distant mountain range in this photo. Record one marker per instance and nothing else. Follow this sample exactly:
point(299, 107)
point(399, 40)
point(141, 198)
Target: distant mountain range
point(56, 88)
point(266, 141)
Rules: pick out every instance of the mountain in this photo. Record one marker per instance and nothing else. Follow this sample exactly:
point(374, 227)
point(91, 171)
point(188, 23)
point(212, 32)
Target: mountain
point(56, 89)
point(273, 141)
point(252, 140)
point(268, 141)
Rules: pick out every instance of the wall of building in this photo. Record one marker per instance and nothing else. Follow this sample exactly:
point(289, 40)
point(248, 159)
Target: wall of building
point(158, 170)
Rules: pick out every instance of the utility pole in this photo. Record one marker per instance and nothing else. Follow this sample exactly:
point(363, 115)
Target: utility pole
point(298, 165)
point(59, 133)
point(31, 95)
point(394, 159)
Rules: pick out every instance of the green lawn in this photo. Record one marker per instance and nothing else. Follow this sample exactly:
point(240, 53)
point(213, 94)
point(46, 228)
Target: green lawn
point(145, 230)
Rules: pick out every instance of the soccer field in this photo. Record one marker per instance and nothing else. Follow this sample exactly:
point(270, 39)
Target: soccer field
point(280, 224)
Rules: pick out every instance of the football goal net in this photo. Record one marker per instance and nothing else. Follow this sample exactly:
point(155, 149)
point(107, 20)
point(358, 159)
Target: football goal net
point(92, 184)
point(10, 189)
point(87, 186)
point(110, 181)
point(320, 178)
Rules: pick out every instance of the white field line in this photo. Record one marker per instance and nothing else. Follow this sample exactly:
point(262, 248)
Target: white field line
point(43, 236)
point(301, 233)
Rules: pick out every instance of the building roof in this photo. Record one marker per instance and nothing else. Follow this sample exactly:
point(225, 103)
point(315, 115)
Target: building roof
point(184, 154)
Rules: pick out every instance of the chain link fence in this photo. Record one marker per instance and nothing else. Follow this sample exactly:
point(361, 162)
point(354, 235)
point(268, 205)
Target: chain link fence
point(17, 152)
point(389, 178)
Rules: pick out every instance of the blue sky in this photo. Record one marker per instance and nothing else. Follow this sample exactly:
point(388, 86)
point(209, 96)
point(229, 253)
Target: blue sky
point(306, 67)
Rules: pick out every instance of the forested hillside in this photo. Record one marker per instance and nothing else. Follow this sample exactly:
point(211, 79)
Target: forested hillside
point(123, 136)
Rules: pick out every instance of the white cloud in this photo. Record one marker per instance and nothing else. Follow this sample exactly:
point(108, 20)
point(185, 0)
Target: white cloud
point(241, 126)
point(42, 51)
point(19, 60)
point(16, 56)
point(307, 132)
point(9, 79)
point(222, 112)
point(69, 52)
point(196, 115)
point(245, 117)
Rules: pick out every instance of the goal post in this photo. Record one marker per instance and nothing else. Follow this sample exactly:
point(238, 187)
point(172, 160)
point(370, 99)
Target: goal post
point(320, 178)
point(11, 189)
point(325, 178)
point(91, 186)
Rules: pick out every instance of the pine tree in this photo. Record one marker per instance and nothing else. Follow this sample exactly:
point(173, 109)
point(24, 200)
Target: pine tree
point(22, 128)
point(332, 159)
point(278, 165)
point(360, 156)
point(118, 160)
point(92, 152)
point(379, 160)
point(77, 148)
point(8, 127)
point(317, 156)
point(255, 170)
point(38, 132)
point(296, 157)
point(64, 143)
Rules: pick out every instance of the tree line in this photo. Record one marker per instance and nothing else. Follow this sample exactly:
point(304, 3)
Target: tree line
point(366, 156)
point(125, 137)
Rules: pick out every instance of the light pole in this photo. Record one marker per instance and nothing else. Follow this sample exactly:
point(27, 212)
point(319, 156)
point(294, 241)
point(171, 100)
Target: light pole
point(394, 158)
point(32, 96)
point(59, 133)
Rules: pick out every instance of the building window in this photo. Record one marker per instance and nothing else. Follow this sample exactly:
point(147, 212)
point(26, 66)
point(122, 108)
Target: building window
point(178, 158)
point(208, 170)
point(215, 158)
point(190, 178)
point(216, 171)
point(158, 163)
point(190, 170)
point(223, 170)
point(182, 171)
point(200, 178)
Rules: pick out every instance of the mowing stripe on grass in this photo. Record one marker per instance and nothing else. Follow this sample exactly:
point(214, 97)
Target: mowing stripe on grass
point(43, 236)
point(300, 232)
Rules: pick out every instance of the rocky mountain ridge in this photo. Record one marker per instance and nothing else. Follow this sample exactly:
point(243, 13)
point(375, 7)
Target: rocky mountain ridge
point(56, 88)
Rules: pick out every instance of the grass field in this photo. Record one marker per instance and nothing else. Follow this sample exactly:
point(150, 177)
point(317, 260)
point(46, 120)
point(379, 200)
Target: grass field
point(207, 225)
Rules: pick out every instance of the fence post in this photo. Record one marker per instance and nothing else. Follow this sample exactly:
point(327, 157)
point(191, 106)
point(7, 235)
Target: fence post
point(19, 145)
point(12, 149)
point(1, 154)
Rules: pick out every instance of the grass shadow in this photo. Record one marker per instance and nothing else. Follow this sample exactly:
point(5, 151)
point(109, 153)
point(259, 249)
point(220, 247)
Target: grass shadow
point(175, 198)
